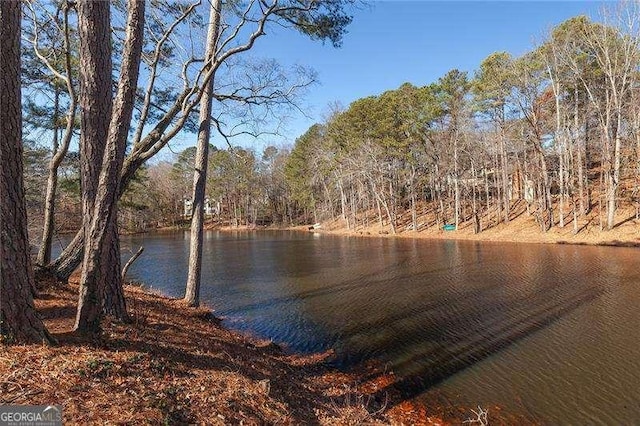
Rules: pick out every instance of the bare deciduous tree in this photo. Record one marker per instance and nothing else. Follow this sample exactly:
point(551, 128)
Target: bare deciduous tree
point(192, 292)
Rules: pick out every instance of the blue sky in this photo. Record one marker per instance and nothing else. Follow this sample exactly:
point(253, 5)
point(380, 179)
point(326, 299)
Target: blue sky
point(392, 42)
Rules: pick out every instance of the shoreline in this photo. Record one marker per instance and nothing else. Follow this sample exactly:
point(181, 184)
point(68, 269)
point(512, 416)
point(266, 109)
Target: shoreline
point(452, 236)
point(521, 229)
point(178, 365)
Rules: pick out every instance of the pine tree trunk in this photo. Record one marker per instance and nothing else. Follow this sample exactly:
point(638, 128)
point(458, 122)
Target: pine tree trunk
point(96, 104)
point(69, 259)
point(19, 321)
point(101, 237)
point(192, 293)
point(113, 300)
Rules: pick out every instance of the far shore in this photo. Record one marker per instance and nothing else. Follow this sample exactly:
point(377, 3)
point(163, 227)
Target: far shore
point(500, 234)
point(521, 229)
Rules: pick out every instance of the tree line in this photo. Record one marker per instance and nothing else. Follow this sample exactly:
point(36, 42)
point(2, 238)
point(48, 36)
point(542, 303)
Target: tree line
point(554, 132)
point(245, 187)
point(122, 79)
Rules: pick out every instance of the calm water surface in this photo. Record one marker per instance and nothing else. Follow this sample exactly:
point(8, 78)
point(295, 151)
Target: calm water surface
point(548, 330)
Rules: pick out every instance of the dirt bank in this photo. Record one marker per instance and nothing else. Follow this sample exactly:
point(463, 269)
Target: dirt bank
point(522, 228)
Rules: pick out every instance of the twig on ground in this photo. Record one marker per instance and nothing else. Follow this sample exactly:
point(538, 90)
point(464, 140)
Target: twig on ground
point(481, 417)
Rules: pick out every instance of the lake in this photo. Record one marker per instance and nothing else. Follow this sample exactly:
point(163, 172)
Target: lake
point(552, 331)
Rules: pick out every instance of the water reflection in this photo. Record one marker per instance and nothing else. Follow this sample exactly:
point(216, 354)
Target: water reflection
point(553, 326)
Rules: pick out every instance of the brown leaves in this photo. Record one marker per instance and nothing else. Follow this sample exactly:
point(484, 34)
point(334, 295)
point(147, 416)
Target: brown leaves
point(171, 365)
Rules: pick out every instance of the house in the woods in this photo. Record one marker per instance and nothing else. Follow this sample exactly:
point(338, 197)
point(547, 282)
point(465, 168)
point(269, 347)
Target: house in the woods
point(187, 209)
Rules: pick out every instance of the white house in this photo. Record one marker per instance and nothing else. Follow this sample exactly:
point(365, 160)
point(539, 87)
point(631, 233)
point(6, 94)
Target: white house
point(188, 208)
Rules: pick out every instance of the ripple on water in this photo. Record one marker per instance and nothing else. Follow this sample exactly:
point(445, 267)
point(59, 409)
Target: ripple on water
point(551, 331)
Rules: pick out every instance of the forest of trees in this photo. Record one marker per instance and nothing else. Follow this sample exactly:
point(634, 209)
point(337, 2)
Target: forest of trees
point(121, 80)
point(554, 133)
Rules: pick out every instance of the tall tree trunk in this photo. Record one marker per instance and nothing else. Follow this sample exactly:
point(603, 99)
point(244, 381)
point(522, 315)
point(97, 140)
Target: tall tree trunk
point(379, 210)
point(59, 151)
point(615, 174)
point(561, 159)
point(487, 195)
point(548, 209)
point(527, 183)
point(18, 318)
point(113, 301)
point(392, 216)
point(505, 175)
point(575, 215)
point(44, 253)
point(456, 183)
point(94, 30)
point(602, 189)
point(192, 293)
point(560, 137)
point(412, 190)
point(580, 165)
point(343, 203)
point(477, 228)
point(587, 163)
point(580, 177)
point(101, 233)
point(354, 215)
point(499, 187)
